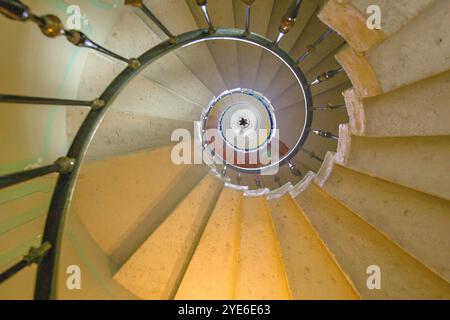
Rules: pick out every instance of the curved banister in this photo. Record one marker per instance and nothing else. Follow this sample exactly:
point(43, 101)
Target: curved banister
point(59, 207)
point(47, 256)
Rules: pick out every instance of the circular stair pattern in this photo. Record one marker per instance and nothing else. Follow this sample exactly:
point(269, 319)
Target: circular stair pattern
point(362, 182)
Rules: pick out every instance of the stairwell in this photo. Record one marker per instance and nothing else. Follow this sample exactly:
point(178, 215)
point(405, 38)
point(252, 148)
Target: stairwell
point(369, 187)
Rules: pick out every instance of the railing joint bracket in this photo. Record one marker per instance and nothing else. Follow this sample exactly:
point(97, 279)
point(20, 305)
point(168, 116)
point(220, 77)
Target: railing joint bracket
point(35, 255)
point(97, 104)
point(134, 63)
point(65, 165)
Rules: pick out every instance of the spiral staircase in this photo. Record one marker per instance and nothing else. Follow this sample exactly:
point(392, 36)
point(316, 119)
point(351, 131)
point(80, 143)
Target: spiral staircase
point(364, 181)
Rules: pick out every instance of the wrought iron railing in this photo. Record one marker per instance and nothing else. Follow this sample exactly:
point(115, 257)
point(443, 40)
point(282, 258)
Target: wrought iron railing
point(46, 256)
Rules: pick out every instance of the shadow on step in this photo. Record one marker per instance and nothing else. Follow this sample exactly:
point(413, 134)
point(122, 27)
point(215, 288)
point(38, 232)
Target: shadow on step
point(157, 213)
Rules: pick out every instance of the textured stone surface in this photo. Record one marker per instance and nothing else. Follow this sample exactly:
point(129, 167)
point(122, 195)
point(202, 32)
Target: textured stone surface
point(310, 269)
point(269, 65)
point(315, 28)
point(417, 222)
point(350, 23)
point(122, 133)
point(360, 72)
point(261, 272)
point(414, 53)
point(177, 16)
point(154, 270)
point(394, 14)
point(212, 272)
point(420, 163)
point(356, 245)
point(420, 109)
point(130, 37)
point(249, 56)
point(116, 193)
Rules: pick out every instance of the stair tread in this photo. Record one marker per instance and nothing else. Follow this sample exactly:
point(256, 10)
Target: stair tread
point(423, 54)
point(312, 32)
point(396, 15)
point(168, 71)
point(248, 55)
point(154, 269)
point(141, 95)
point(416, 221)
point(124, 132)
point(420, 109)
point(293, 94)
point(115, 193)
point(268, 65)
point(224, 52)
point(261, 273)
point(356, 246)
point(212, 271)
point(416, 162)
point(177, 16)
point(311, 271)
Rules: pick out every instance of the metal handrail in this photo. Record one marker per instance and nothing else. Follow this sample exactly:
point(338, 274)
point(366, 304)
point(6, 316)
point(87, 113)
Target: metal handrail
point(60, 203)
point(47, 255)
point(34, 255)
point(63, 165)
